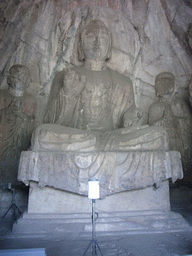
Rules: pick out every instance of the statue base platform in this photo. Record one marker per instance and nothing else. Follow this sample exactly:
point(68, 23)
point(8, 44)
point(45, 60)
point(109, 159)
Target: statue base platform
point(54, 201)
point(54, 212)
point(134, 192)
point(75, 225)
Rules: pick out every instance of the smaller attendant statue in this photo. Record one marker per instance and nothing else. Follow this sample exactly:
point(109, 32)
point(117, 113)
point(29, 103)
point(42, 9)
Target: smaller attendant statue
point(174, 115)
point(17, 115)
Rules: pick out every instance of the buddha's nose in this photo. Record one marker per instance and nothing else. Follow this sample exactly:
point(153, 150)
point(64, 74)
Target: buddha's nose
point(97, 41)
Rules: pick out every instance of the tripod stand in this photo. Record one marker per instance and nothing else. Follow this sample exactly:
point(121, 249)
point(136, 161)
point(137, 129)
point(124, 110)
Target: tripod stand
point(13, 205)
point(94, 240)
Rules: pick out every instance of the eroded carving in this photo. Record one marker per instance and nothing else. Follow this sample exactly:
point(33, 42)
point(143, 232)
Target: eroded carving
point(94, 129)
point(92, 108)
point(173, 114)
point(17, 114)
point(116, 171)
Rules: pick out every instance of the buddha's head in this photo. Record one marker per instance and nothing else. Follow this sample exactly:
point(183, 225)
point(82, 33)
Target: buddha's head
point(18, 78)
point(95, 42)
point(164, 84)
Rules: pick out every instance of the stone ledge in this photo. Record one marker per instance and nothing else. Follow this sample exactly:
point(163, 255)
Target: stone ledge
point(79, 225)
point(50, 200)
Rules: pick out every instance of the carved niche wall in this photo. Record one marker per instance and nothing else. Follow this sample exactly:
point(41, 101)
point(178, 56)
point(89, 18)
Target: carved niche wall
point(147, 40)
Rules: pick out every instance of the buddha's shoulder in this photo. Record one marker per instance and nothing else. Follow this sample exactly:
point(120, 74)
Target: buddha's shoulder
point(116, 77)
point(120, 78)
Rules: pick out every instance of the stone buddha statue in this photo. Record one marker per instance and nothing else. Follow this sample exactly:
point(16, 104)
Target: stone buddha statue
point(92, 108)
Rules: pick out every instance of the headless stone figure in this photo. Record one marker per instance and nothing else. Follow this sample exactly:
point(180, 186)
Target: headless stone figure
point(92, 108)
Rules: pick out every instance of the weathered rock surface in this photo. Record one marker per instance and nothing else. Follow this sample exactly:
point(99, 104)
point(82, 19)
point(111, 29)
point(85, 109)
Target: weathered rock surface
point(149, 37)
point(116, 171)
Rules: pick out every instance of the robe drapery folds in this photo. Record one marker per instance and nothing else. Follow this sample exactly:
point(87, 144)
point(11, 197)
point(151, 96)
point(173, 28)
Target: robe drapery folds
point(64, 109)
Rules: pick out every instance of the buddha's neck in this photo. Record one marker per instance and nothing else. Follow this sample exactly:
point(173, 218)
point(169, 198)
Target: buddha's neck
point(166, 98)
point(95, 65)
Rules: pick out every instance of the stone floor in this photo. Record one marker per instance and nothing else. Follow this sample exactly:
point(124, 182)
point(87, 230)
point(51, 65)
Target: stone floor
point(158, 244)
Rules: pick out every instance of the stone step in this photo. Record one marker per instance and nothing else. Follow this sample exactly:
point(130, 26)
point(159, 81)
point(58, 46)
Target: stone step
point(107, 223)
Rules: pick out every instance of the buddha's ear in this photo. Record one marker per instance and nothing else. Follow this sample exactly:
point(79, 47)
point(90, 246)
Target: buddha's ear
point(109, 52)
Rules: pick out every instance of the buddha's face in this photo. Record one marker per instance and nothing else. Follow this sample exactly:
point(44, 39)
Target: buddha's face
point(95, 42)
point(164, 86)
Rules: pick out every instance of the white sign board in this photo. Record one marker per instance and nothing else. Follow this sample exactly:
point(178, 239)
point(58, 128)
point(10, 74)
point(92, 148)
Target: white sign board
point(93, 189)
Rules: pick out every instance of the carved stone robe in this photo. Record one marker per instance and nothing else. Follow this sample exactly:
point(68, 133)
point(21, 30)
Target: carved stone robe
point(106, 97)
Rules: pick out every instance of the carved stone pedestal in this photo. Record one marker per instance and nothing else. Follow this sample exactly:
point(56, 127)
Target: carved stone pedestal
point(54, 201)
point(52, 210)
point(73, 225)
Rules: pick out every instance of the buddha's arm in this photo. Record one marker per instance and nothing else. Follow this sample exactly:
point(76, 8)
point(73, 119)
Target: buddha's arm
point(155, 115)
point(183, 110)
point(184, 117)
point(133, 117)
point(63, 100)
point(123, 99)
point(55, 102)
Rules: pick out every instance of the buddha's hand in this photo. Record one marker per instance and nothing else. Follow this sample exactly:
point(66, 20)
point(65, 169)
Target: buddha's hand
point(74, 84)
point(133, 117)
point(160, 122)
